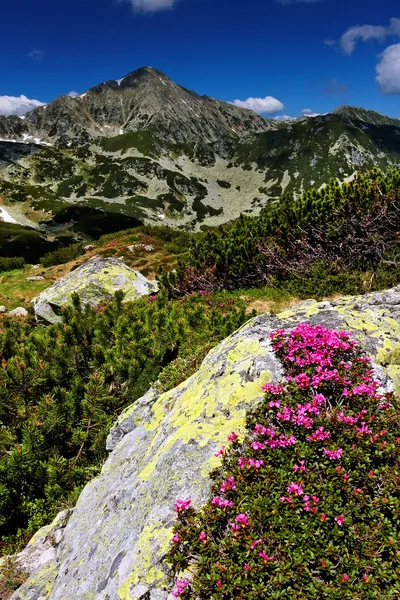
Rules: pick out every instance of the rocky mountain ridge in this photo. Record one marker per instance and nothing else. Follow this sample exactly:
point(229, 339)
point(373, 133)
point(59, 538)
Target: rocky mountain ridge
point(146, 148)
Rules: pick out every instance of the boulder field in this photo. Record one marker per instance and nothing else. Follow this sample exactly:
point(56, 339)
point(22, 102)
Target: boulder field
point(111, 546)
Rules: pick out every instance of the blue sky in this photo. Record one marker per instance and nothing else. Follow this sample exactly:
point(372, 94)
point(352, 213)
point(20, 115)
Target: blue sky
point(302, 54)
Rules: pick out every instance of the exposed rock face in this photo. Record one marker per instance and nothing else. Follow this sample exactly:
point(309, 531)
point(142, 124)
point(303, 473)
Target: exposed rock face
point(95, 281)
point(162, 448)
point(143, 99)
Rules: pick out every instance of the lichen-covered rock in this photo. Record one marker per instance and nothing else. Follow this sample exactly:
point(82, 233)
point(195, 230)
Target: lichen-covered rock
point(39, 558)
point(162, 449)
point(95, 281)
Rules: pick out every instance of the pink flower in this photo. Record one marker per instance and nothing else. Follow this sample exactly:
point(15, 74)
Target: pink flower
point(275, 404)
point(344, 578)
point(333, 454)
point(286, 499)
point(265, 556)
point(319, 435)
point(232, 437)
point(243, 519)
point(247, 567)
point(365, 578)
point(295, 488)
point(302, 380)
point(323, 517)
point(182, 505)
point(221, 452)
point(340, 520)
point(203, 536)
point(255, 543)
point(300, 467)
point(235, 527)
point(181, 584)
point(175, 539)
point(219, 584)
point(228, 484)
point(257, 446)
point(221, 502)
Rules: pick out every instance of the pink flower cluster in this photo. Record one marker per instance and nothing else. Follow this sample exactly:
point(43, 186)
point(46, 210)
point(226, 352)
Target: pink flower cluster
point(182, 505)
point(333, 454)
point(221, 502)
point(181, 585)
point(228, 484)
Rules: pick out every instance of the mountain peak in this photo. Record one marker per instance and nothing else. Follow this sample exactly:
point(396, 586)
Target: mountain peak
point(363, 114)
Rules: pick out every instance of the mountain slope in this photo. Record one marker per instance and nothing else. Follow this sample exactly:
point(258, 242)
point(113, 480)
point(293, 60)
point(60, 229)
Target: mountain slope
point(147, 148)
point(144, 99)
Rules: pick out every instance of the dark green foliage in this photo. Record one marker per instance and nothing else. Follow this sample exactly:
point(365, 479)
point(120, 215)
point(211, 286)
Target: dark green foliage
point(337, 232)
point(8, 264)
point(94, 222)
point(62, 387)
point(62, 255)
point(17, 240)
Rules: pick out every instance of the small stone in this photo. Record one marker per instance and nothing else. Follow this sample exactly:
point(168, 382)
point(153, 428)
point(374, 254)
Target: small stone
point(19, 312)
point(3, 309)
point(35, 278)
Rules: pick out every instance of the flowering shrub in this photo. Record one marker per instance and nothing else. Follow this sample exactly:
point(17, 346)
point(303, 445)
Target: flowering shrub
point(307, 505)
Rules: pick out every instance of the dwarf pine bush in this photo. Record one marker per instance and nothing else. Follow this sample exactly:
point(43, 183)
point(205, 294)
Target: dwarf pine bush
point(307, 505)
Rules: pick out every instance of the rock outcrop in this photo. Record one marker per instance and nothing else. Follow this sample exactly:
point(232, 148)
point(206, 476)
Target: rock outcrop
point(162, 448)
point(95, 281)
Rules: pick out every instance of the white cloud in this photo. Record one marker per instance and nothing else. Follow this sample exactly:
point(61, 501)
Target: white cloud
point(307, 112)
point(268, 105)
point(330, 43)
point(368, 32)
point(283, 118)
point(388, 70)
point(73, 94)
point(36, 54)
point(152, 5)
point(12, 105)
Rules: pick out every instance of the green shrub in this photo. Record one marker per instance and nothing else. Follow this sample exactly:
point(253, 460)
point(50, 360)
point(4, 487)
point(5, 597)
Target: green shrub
point(62, 255)
point(307, 505)
point(62, 387)
point(350, 229)
point(8, 264)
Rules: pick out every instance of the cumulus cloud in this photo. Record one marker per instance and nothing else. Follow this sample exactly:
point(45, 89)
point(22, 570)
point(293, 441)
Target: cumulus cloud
point(36, 54)
point(364, 33)
point(388, 70)
point(307, 112)
point(268, 105)
point(12, 105)
point(283, 118)
point(152, 5)
point(73, 94)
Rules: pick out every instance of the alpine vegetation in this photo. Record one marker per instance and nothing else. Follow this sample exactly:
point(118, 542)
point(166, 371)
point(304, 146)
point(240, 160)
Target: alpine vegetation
point(307, 503)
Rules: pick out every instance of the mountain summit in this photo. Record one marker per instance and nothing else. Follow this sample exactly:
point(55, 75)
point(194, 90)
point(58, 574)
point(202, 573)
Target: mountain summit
point(145, 99)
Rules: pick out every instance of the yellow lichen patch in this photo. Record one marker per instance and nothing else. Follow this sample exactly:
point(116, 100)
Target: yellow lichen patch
point(151, 535)
point(202, 408)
